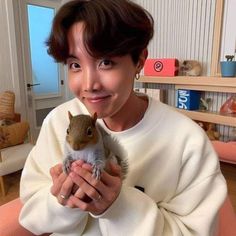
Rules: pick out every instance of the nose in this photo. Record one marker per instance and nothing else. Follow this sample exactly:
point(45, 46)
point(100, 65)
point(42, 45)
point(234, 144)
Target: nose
point(91, 80)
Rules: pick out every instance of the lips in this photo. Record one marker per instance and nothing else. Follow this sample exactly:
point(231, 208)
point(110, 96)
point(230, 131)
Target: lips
point(96, 99)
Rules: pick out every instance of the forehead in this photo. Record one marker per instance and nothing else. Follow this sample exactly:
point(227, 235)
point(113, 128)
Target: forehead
point(75, 38)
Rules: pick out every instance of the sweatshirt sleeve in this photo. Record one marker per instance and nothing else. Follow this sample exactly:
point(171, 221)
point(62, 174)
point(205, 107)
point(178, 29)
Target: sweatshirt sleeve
point(41, 212)
point(191, 210)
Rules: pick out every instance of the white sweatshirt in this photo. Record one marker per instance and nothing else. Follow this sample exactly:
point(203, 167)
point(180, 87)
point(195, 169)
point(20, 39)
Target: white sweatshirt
point(169, 156)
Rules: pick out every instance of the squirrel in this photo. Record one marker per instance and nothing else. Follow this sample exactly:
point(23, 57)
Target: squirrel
point(86, 140)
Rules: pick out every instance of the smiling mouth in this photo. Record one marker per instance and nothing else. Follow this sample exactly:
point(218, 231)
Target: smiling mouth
point(97, 99)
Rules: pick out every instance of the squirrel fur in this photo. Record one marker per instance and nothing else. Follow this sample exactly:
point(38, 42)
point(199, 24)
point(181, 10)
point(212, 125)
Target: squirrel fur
point(85, 141)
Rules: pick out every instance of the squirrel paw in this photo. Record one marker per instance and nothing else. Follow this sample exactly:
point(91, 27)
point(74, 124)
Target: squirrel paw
point(97, 171)
point(66, 165)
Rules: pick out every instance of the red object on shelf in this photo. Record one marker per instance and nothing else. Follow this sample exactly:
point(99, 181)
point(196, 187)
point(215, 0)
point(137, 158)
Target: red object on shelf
point(229, 107)
point(161, 67)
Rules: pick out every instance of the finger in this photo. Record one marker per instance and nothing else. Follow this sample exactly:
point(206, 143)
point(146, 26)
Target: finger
point(88, 177)
point(66, 187)
point(79, 193)
point(87, 167)
point(56, 171)
point(74, 189)
point(108, 178)
point(95, 207)
point(57, 183)
point(63, 197)
point(77, 163)
point(82, 164)
point(115, 169)
point(75, 202)
point(82, 196)
point(87, 187)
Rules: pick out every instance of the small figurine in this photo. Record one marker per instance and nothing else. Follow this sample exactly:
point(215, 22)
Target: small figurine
point(212, 133)
point(85, 141)
point(210, 129)
point(205, 104)
point(190, 68)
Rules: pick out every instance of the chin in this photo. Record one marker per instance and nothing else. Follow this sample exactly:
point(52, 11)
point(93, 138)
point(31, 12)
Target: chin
point(100, 114)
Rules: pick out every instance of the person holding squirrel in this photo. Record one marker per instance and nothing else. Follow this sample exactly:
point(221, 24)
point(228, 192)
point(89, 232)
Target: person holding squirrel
point(174, 185)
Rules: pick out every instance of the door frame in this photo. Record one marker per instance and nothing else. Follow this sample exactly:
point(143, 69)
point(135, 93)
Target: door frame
point(32, 102)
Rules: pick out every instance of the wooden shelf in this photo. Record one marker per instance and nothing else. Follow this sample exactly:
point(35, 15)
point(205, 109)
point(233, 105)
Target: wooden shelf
point(212, 117)
point(201, 83)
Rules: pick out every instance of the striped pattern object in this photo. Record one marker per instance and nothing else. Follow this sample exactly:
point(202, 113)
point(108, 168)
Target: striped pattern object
point(7, 102)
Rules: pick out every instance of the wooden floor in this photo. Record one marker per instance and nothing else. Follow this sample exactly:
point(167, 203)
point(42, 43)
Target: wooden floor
point(228, 170)
point(11, 183)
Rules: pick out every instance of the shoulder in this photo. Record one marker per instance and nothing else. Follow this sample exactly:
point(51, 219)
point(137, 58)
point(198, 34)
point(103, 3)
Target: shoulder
point(60, 113)
point(179, 129)
point(183, 135)
point(57, 120)
point(170, 118)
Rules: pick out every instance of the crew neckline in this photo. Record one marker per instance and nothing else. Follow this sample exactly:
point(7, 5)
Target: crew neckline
point(136, 126)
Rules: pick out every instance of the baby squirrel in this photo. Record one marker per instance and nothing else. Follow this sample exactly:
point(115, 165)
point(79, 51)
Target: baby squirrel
point(85, 140)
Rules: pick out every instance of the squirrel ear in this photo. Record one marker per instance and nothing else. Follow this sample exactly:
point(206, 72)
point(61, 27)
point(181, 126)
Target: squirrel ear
point(95, 116)
point(69, 115)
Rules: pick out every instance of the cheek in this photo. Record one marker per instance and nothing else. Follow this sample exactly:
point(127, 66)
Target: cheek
point(74, 84)
point(121, 82)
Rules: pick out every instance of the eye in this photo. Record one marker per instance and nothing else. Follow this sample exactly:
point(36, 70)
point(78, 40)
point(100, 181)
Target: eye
point(68, 131)
point(89, 131)
point(74, 66)
point(106, 64)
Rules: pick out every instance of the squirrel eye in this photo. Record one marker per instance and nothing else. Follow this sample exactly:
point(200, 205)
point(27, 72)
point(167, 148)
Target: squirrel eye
point(89, 131)
point(68, 131)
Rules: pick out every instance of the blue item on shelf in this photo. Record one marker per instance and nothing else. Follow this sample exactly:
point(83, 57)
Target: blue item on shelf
point(188, 99)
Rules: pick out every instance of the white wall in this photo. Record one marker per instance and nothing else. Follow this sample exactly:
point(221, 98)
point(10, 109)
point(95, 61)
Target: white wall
point(9, 69)
point(228, 45)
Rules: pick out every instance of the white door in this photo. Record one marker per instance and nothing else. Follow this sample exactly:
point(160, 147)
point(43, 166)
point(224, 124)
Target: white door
point(44, 78)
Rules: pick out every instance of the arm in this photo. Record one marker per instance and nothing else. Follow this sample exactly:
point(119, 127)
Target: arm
point(41, 211)
point(191, 208)
point(191, 211)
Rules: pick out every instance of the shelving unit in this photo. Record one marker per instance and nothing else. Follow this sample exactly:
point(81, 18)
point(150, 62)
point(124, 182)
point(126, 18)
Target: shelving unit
point(213, 84)
point(203, 83)
point(212, 117)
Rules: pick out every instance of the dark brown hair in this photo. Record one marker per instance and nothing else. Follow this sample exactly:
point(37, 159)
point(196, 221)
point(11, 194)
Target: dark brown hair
point(112, 28)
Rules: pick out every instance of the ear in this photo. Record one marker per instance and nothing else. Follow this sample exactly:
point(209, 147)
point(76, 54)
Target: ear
point(69, 115)
point(142, 58)
point(95, 116)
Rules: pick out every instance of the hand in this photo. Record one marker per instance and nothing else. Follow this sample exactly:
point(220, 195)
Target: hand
point(102, 192)
point(62, 184)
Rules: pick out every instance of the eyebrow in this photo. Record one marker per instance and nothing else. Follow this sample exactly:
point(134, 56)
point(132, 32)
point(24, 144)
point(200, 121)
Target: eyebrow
point(72, 56)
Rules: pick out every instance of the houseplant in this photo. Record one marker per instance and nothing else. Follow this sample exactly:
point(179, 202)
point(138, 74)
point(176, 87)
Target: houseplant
point(228, 67)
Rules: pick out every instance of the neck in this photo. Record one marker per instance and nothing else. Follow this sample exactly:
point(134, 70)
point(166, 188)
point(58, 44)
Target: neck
point(131, 113)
